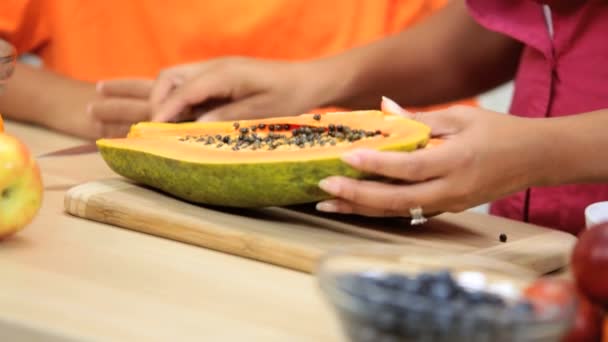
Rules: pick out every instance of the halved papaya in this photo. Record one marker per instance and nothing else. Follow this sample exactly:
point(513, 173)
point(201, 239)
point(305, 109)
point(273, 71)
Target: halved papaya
point(255, 163)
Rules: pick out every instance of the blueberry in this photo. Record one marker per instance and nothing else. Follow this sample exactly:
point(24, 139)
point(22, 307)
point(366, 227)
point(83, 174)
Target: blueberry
point(524, 306)
point(394, 281)
point(366, 333)
point(387, 320)
point(474, 297)
point(413, 286)
point(377, 295)
point(494, 299)
point(521, 311)
point(485, 323)
point(350, 283)
point(426, 277)
point(446, 277)
point(441, 291)
point(445, 319)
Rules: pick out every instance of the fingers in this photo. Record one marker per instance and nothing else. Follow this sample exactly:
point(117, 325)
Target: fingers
point(134, 88)
point(247, 108)
point(110, 130)
point(163, 88)
point(419, 165)
point(346, 207)
point(120, 110)
point(442, 122)
point(191, 93)
point(386, 197)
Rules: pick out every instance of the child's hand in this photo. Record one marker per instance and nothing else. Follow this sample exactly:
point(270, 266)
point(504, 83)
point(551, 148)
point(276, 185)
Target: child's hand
point(484, 157)
point(235, 88)
point(120, 104)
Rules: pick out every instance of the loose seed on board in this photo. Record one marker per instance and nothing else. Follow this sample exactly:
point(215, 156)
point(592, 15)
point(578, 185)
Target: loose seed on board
point(236, 125)
point(502, 237)
point(317, 117)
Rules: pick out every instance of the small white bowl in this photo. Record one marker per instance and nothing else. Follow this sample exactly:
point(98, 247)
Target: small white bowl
point(596, 213)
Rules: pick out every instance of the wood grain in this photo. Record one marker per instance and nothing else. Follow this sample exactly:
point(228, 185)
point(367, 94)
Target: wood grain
point(297, 237)
point(65, 278)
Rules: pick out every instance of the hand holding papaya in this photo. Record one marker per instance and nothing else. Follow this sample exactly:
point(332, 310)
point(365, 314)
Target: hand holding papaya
point(466, 170)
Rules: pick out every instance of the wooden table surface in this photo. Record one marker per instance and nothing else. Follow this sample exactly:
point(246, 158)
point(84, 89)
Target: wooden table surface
point(65, 278)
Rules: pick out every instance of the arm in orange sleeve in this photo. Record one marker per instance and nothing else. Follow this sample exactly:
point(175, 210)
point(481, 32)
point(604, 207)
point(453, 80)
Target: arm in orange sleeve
point(23, 24)
point(37, 95)
point(44, 98)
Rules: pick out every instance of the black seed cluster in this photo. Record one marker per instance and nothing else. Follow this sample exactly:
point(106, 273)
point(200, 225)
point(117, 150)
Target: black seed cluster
point(427, 307)
point(275, 135)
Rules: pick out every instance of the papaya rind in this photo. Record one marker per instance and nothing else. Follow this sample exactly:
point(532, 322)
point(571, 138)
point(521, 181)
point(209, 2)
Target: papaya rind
point(244, 185)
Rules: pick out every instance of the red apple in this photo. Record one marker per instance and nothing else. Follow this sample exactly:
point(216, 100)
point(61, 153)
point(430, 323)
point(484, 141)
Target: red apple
point(590, 264)
point(20, 186)
point(587, 323)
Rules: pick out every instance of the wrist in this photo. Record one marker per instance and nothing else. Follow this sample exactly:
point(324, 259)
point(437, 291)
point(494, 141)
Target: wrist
point(547, 153)
point(328, 82)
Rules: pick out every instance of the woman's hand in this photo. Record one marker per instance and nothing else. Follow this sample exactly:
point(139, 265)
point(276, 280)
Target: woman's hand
point(484, 156)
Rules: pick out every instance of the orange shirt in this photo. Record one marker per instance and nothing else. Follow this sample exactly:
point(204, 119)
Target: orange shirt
point(92, 40)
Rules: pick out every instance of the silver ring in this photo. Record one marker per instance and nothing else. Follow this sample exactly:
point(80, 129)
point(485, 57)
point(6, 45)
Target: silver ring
point(417, 216)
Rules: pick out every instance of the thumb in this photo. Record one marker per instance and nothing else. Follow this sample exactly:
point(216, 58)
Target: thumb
point(237, 109)
point(433, 120)
point(442, 122)
point(389, 106)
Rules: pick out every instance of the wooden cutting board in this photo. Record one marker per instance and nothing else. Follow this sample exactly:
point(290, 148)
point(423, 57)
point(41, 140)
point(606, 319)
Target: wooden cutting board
point(296, 237)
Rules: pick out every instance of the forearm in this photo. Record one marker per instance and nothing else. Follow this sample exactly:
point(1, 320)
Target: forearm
point(573, 149)
point(445, 58)
point(36, 95)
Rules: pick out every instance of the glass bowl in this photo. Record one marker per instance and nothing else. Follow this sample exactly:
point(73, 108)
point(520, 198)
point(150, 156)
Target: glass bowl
point(7, 61)
point(397, 293)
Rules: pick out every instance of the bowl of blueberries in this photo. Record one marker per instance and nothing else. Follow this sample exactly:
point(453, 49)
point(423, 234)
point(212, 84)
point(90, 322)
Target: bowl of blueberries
point(396, 293)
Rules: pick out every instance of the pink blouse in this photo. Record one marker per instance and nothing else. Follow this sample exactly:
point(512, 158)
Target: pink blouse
point(563, 70)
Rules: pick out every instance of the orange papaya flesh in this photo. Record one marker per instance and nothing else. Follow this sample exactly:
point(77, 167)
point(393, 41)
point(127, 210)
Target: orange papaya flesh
point(246, 167)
